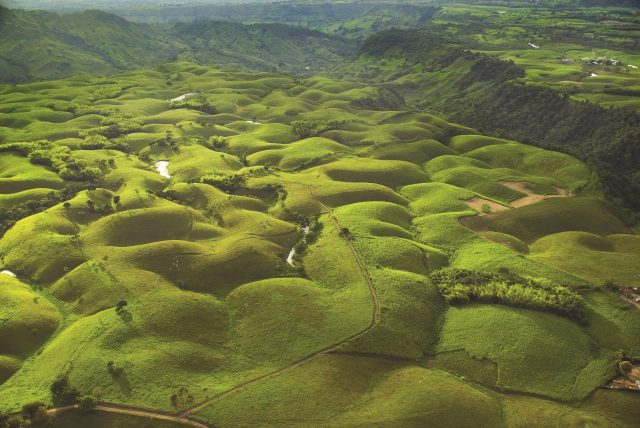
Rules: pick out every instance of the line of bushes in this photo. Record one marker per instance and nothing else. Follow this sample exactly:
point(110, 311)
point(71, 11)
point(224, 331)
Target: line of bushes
point(58, 158)
point(10, 216)
point(225, 181)
point(460, 286)
point(313, 128)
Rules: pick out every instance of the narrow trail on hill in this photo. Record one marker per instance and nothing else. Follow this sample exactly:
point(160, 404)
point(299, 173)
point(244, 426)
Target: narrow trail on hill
point(136, 411)
point(375, 319)
point(185, 417)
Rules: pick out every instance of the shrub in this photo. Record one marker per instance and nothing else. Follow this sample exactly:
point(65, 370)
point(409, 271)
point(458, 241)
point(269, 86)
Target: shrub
point(312, 128)
point(182, 399)
point(25, 148)
point(97, 142)
point(8, 217)
point(87, 404)
point(53, 157)
point(120, 305)
point(459, 286)
point(215, 142)
point(28, 410)
point(199, 103)
point(40, 417)
point(625, 367)
point(80, 170)
point(346, 233)
point(63, 393)
point(227, 181)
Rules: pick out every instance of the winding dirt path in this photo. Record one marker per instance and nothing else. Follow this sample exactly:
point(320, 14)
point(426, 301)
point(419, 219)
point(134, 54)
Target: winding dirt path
point(186, 418)
point(375, 319)
point(137, 412)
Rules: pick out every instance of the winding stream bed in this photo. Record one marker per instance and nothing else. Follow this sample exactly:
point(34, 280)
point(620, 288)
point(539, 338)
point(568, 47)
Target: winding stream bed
point(292, 253)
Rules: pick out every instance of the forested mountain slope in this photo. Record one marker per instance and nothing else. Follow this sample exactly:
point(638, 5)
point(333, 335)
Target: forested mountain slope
point(41, 45)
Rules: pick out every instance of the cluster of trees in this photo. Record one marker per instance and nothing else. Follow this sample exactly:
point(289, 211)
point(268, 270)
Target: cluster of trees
point(459, 286)
point(434, 50)
point(182, 399)
point(9, 216)
point(36, 414)
point(97, 142)
point(487, 68)
point(313, 128)
point(215, 142)
point(604, 138)
point(62, 393)
point(33, 415)
point(198, 102)
point(113, 126)
point(385, 98)
point(68, 167)
point(59, 158)
point(226, 181)
point(80, 109)
point(491, 99)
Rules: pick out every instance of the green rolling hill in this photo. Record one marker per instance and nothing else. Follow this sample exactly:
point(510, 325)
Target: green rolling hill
point(288, 249)
point(229, 224)
point(100, 43)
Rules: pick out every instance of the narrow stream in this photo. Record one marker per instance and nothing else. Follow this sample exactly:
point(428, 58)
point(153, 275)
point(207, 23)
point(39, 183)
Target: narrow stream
point(292, 253)
point(181, 97)
point(163, 168)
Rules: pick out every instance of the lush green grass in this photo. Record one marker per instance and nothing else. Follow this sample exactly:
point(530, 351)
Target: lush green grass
point(522, 342)
point(27, 320)
point(593, 257)
point(76, 419)
point(98, 42)
point(552, 216)
point(385, 393)
point(211, 299)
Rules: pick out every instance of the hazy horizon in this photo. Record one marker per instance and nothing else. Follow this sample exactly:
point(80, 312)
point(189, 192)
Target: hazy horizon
point(111, 4)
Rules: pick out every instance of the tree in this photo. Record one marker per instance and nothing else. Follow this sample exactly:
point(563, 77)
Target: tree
point(345, 233)
point(28, 410)
point(67, 205)
point(87, 404)
point(116, 199)
point(625, 367)
point(63, 393)
point(40, 417)
point(14, 421)
point(114, 370)
point(182, 399)
point(120, 306)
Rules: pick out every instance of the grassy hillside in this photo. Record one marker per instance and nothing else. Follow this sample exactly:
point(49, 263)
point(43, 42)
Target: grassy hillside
point(352, 19)
point(564, 79)
point(96, 42)
point(266, 238)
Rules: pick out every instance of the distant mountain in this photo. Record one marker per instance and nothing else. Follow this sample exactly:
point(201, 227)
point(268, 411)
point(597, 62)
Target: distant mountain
point(43, 45)
point(354, 19)
point(273, 47)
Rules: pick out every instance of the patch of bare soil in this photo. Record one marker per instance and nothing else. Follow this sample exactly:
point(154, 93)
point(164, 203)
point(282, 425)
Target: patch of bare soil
point(630, 380)
point(478, 203)
point(532, 197)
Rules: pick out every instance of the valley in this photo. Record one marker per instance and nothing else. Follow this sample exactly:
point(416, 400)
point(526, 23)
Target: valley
point(333, 214)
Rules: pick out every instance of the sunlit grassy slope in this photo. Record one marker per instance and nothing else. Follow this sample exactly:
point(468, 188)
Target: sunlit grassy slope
point(211, 300)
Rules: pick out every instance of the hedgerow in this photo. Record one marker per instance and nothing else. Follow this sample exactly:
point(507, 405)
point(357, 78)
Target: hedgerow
point(459, 286)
